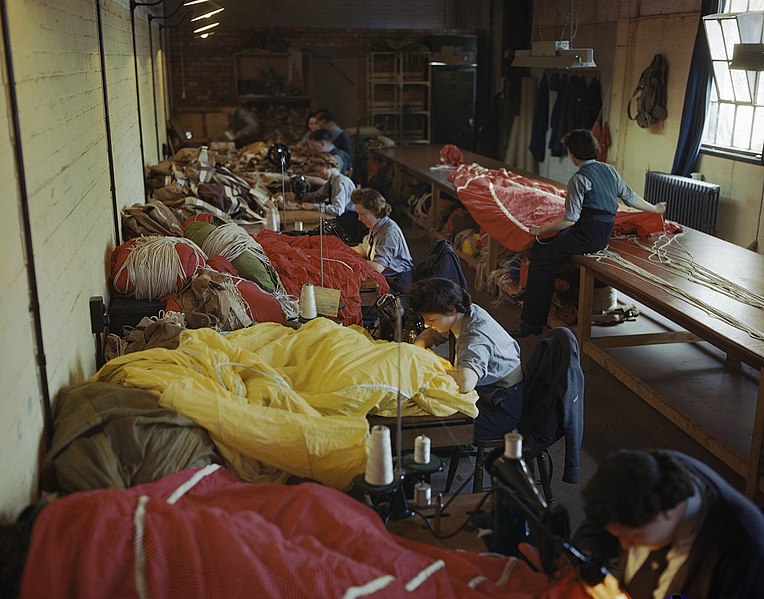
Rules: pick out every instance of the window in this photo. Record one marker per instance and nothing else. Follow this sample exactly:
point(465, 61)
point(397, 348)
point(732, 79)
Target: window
point(735, 120)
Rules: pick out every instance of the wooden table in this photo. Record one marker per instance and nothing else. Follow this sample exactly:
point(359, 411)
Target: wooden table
point(741, 266)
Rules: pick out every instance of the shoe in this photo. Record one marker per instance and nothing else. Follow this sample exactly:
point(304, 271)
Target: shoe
point(519, 297)
point(525, 330)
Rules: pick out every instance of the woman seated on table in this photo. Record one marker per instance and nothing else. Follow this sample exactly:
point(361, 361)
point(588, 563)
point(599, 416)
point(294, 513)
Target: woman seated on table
point(487, 358)
point(385, 247)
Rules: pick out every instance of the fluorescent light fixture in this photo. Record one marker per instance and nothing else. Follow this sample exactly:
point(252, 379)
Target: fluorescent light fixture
point(206, 12)
point(205, 35)
point(190, 2)
point(555, 55)
point(737, 38)
point(437, 63)
point(206, 27)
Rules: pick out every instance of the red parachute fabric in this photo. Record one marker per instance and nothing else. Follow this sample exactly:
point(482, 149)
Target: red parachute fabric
point(450, 154)
point(203, 534)
point(505, 204)
point(298, 261)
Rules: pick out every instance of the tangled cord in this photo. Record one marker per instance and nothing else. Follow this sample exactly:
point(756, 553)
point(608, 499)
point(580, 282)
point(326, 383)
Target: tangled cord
point(682, 264)
point(154, 267)
point(231, 241)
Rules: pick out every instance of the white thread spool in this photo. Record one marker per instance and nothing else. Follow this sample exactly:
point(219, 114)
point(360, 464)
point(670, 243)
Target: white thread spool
point(272, 218)
point(422, 494)
point(513, 446)
point(379, 466)
point(308, 302)
point(298, 225)
point(422, 449)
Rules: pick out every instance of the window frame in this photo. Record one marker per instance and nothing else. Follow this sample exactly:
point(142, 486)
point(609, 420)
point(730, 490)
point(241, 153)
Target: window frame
point(716, 102)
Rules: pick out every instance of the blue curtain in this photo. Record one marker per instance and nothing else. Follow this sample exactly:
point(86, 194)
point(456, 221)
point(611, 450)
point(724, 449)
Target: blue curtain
point(695, 98)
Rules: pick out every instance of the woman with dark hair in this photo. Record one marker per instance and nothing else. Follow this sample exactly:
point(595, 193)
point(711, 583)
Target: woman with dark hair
point(385, 247)
point(677, 527)
point(590, 208)
point(311, 124)
point(486, 358)
point(335, 187)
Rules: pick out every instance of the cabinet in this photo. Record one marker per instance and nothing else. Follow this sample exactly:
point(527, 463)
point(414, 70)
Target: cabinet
point(399, 95)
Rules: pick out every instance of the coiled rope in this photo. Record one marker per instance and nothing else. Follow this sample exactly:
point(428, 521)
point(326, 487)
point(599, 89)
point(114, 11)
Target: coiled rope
point(231, 241)
point(154, 268)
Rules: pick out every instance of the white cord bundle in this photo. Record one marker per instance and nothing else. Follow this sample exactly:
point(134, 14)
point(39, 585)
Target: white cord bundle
point(154, 268)
point(685, 266)
point(231, 241)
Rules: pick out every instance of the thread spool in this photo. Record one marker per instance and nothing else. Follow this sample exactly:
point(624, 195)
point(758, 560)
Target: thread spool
point(272, 219)
point(308, 302)
point(422, 494)
point(422, 449)
point(298, 225)
point(513, 446)
point(379, 466)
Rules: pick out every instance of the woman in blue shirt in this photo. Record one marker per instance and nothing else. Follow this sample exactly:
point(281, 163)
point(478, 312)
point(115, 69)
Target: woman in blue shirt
point(385, 247)
point(486, 358)
point(590, 208)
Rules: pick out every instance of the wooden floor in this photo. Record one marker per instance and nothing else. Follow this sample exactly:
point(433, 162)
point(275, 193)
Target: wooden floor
point(614, 416)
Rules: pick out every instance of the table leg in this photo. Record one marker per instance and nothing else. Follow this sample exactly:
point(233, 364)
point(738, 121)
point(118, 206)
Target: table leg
point(757, 440)
point(585, 302)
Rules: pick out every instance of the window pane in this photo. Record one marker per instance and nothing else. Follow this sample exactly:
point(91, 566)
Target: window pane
point(709, 135)
point(737, 6)
point(756, 5)
point(715, 39)
point(731, 35)
point(723, 80)
point(757, 135)
point(714, 94)
point(726, 124)
point(760, 89)
point(743, 124)
point(740, 85)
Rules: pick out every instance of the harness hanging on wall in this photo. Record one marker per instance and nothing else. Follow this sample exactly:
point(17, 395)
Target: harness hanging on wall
point(650, 97)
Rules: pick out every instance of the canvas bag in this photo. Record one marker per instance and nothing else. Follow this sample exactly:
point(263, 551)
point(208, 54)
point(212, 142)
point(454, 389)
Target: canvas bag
point(647, 104)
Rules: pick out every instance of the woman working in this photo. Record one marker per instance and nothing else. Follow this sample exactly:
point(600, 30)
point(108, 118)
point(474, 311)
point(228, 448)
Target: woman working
point(385, 247)
point(486, 359)
point(335, 187)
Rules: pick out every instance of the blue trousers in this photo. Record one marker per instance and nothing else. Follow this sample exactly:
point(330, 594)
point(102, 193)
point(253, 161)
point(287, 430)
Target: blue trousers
point(589, 234)
point(500, 411)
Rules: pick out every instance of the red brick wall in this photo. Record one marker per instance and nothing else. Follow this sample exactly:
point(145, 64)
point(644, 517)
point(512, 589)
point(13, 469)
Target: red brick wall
point(202, 71)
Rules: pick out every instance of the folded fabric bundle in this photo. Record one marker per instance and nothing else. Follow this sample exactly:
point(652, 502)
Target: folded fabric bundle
point(292, 400)
point(203, 534)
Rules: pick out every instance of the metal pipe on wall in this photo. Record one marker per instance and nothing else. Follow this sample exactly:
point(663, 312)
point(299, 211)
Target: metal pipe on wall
point(107, 117)
point(34, 298)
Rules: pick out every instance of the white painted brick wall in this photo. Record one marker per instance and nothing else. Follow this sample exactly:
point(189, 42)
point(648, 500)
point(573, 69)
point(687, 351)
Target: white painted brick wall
point(20, 421)
point(63, 136)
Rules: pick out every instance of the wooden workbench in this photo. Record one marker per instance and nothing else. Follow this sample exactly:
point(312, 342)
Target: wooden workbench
point(739, 265)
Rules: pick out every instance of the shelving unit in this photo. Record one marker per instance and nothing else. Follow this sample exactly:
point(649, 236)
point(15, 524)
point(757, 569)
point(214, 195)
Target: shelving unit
point(399, 95)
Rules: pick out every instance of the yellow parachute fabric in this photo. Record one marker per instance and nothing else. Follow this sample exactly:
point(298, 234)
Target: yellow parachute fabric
point(296, 400)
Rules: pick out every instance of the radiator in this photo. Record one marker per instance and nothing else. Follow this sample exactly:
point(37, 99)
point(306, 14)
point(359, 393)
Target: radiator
point(689, 202)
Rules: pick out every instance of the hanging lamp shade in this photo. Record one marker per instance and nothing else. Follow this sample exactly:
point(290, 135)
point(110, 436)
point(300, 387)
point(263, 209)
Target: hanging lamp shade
point(206, 11)
point(737, 38)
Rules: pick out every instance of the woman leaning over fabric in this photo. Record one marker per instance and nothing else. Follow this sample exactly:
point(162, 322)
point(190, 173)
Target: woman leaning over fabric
point(486, 357)
point(385, 247)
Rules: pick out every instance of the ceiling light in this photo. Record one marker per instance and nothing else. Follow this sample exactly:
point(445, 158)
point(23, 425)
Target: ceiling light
point(555, 55)
point(206, 27)
point(206, 12)
point(190, 2)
